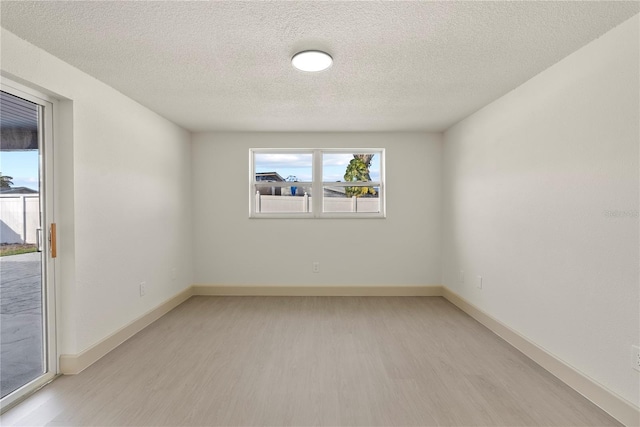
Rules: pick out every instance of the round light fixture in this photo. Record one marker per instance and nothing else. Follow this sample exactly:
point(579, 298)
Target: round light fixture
point(311, 60)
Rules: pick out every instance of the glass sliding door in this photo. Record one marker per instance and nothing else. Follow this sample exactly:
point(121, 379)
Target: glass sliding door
point(27, 350)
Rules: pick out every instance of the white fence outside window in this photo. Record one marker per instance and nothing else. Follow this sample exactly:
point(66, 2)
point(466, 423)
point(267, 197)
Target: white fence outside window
point(19, 218)
point(289, 204)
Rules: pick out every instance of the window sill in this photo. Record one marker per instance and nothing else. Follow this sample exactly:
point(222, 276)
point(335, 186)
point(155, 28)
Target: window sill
point(335, 215)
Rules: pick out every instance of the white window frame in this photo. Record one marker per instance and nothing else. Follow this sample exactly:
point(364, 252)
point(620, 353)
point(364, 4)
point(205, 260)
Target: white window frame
point(317, 185)
point(47, 109)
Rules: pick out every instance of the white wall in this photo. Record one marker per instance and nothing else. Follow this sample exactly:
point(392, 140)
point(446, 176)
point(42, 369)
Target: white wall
point(123, 198)
point(231, 249)
point(530, 182)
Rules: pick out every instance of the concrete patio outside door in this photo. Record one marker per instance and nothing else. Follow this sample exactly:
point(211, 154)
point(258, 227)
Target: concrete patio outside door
point(21, 337)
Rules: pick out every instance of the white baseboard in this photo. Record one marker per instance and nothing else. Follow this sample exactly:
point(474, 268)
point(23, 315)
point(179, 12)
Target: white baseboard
point(325, 291)
point(619, 408)
point(71, 364)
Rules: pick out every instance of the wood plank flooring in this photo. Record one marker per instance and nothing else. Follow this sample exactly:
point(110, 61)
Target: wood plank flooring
point(331, 361)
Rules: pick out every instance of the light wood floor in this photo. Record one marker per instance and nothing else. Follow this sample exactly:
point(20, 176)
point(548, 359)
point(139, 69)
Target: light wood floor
point(357, 361)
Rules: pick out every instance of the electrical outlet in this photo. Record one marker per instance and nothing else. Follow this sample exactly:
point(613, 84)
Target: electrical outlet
point(635, 357)
point(143, 288)
point(479, 282)
point(316, 267)
point(461, 277)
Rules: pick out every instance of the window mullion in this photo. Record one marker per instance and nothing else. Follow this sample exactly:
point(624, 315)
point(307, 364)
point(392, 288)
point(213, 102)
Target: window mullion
point(316, 188)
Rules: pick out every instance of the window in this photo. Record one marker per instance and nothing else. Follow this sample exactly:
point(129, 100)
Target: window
point(317, 183)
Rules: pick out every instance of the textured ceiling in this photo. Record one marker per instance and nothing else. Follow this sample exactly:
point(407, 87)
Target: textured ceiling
point(225, 65)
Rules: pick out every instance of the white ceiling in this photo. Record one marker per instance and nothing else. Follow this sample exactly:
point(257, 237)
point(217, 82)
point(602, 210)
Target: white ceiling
point(225, 65)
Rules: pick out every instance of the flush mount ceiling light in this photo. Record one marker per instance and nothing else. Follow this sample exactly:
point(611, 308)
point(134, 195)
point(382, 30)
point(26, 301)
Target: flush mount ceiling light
point(311, 60)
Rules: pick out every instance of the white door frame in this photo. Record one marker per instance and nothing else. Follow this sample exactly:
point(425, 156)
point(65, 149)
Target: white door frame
point(47, 109)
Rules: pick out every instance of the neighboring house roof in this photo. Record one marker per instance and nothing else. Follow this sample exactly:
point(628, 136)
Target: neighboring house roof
point(17, 190)
point(334, 192)
point(269, 177)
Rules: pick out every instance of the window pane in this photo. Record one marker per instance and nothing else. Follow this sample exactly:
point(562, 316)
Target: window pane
point(280, 167)
point(337, 200)
point(275, 199)
point(349, 167)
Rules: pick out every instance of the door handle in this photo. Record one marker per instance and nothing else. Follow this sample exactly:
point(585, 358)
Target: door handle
point(39, 240)
point(53, 244)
